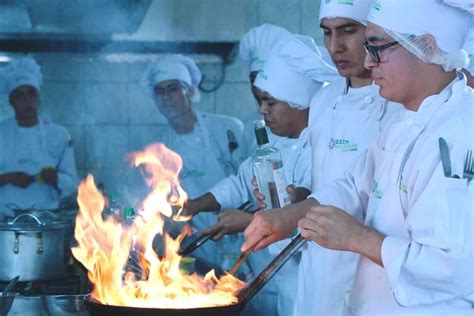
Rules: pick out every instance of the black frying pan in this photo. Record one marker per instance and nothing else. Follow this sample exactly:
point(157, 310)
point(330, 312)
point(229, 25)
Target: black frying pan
point(96, 309)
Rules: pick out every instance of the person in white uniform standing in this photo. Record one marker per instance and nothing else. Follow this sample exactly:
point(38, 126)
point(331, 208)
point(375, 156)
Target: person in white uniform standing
point(210, 145)
point(345, 118)
point(37, 166)
point(286, 94)
point(416, 237)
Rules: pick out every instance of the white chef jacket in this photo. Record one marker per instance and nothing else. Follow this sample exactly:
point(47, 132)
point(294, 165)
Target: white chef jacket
point(344, 122)
point(236, 189)
point(207, 159)
point(29, 150)
point(400, 188)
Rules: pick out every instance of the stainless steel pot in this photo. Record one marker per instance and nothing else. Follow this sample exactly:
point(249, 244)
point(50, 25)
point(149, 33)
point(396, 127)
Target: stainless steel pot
point(34, 250)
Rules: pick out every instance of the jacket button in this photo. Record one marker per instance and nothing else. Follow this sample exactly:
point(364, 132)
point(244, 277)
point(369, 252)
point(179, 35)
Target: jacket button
point(368, 99)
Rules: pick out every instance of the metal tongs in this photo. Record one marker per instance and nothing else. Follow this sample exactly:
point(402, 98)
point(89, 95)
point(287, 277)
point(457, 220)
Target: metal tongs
point(202, 239)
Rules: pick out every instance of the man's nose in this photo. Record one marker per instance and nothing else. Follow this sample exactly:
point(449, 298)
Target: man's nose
point(263, 107)
point(335, 45)
point(369, 62)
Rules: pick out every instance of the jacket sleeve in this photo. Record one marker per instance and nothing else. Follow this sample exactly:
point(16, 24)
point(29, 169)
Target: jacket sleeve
point(435, 262)
point(232, 191)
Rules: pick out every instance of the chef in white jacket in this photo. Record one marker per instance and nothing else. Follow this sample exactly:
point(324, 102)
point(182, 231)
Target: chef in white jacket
point(210, 145)
point(345, 117)
point(254, 48)
point(416, 240)
point(285, 98)
point(37, 166)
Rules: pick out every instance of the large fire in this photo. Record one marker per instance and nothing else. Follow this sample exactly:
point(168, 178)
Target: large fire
point(104, 245)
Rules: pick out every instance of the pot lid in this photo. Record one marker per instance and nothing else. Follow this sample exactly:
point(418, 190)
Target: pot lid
point(30, 222)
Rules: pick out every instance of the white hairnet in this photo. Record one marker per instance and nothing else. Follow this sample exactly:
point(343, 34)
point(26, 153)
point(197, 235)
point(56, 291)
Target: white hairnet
point(406, 21)
point(469, 46)
point(466, 5)
point(294, 71)
point(356, 10)
point(22, 71)
point(256, 44)
point(172, 67)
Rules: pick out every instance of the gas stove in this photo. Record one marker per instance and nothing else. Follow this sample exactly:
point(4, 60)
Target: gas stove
point(72, 283)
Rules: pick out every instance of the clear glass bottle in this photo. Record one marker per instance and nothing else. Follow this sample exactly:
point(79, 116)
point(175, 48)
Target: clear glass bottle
point(268, 170)
point(114, 209)
point(133, 263)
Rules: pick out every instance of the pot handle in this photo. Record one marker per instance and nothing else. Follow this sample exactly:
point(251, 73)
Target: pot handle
point(272, 268)
point(25, 215)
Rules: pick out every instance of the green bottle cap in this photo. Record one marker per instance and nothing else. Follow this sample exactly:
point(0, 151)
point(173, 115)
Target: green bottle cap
point(129, 212)
point(260, 132)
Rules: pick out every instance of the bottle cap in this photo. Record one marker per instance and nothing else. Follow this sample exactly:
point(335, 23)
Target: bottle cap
point(260, 132)
point(129, 212)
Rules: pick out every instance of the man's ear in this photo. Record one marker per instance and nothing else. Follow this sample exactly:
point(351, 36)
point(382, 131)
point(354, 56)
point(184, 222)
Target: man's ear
point(428, 45)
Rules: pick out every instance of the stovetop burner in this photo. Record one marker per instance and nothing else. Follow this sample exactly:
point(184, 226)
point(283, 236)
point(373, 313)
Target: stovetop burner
point(69, 285)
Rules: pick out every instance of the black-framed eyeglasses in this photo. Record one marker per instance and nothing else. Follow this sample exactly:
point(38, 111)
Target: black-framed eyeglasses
point(373, 51)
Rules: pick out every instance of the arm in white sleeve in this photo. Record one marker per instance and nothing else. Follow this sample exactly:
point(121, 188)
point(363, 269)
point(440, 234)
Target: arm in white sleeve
point(232, 191)
point(436, 261)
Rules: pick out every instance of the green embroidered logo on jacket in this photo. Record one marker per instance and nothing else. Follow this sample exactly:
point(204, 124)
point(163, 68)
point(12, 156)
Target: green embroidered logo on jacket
point(402, 186)
point(376, 192)
point(342, 145)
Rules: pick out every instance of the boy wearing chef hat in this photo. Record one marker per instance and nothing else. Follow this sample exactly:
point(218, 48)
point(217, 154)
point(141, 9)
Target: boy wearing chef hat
point(37, 166)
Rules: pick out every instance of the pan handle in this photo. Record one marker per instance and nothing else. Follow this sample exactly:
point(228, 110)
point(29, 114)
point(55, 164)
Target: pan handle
point(270, 270)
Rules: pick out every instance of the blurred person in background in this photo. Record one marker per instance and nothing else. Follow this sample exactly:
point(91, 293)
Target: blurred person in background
point(37, 166)
point(210, 145)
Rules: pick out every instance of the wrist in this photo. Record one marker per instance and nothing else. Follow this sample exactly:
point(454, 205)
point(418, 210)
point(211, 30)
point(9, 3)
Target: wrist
point(366, 241)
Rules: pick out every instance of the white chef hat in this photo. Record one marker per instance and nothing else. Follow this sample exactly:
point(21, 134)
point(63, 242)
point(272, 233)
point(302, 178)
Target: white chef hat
point(22, 71)
point(256, 44)
point(350, 9)
point(294, 71)
point(407, 20)
point(172, 67)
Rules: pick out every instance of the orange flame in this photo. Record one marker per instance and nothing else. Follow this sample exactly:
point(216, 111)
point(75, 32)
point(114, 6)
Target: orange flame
point(104, 245)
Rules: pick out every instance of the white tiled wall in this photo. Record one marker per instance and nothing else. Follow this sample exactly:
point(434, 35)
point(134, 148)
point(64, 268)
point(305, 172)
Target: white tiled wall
point(106, 111)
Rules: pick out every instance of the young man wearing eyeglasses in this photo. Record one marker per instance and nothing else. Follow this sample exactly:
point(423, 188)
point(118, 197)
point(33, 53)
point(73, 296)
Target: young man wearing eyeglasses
point(415, 240)
point(345, 118)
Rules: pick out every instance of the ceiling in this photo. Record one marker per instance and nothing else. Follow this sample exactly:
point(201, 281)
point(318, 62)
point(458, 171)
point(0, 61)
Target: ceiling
point(75, 17)
point(109, 26)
